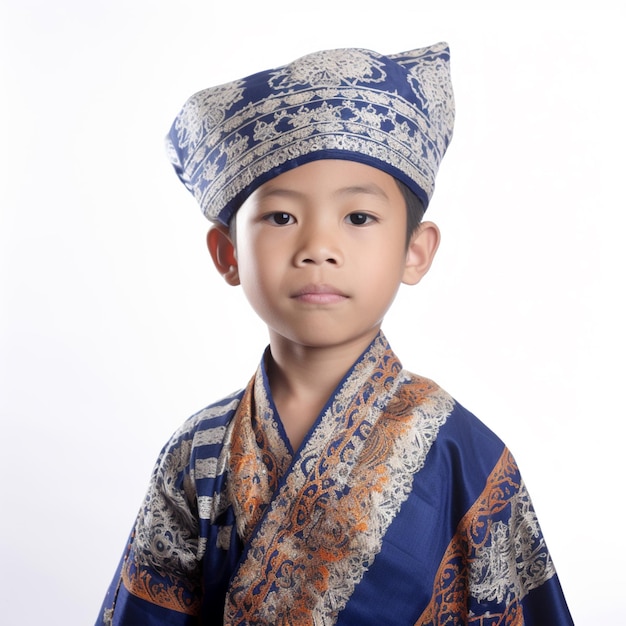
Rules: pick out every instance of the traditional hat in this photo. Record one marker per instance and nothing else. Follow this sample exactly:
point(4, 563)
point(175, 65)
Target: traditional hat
point(393, 112)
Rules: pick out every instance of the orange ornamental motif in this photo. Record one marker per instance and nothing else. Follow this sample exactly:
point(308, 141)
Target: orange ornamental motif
point(170, 594)
point(308, 547)
point(323, 527)
point(258, 458)
point(475, 535)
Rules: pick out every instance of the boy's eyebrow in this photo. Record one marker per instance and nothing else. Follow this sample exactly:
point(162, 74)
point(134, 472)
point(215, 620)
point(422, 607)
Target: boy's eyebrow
point(268, 192)
point(366, 188)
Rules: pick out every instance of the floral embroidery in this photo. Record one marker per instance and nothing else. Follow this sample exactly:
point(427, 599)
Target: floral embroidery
point(163, 561)
point(394, 112)
point(330, 68)
point(205, 110)
point(496, 557)
point(323, 524)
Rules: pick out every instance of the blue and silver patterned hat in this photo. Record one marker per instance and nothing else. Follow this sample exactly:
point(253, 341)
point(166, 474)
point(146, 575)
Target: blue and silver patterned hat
point(393, 112)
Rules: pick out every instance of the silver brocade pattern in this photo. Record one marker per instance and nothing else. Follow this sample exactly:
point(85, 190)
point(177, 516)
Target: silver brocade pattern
point(331, 513)
point(393, 112)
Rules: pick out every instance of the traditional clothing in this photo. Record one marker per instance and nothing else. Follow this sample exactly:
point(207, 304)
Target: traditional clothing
point(393, 112)
point(400, 507)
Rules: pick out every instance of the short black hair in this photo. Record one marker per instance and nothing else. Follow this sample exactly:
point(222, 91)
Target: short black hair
point(414, 211)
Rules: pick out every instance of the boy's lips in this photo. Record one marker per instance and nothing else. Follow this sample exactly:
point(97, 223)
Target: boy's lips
point(319, 294)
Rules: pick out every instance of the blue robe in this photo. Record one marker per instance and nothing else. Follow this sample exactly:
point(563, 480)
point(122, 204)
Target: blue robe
point(399, 508)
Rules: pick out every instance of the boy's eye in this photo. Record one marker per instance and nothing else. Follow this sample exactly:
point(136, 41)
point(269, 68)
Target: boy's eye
point(359, 219)
point(279, 218)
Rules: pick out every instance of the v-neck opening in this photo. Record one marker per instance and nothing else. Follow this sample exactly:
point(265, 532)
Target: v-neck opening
point(295, 454)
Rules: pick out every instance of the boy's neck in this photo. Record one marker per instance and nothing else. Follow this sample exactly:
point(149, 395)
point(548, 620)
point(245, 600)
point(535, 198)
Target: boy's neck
point(302, 379)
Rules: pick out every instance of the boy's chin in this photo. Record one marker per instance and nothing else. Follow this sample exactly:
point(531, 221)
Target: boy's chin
point(324, 338)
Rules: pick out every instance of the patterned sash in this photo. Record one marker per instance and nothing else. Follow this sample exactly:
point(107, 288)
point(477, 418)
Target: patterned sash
point(314, 524)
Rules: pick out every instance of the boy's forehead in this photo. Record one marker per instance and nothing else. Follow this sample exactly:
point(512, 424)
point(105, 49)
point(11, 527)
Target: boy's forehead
point(394, 113)
point(336, 181)
point(324, 185)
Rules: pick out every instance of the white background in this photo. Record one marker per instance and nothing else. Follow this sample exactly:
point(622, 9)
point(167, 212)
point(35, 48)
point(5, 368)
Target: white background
point(115, 327)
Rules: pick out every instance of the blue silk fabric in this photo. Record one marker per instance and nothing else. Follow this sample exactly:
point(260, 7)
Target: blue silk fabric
point(400, 507)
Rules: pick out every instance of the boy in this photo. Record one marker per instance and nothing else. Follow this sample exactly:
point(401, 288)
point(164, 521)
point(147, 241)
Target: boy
point(336, 488)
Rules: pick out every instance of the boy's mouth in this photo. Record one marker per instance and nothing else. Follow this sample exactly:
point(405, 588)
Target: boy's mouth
point(319, 294)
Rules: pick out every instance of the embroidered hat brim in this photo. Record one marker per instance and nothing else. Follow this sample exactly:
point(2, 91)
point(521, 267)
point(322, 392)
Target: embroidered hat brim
point(394, 112)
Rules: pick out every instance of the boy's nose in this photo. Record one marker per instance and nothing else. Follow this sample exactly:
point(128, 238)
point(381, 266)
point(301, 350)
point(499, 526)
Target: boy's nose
point(317, 247)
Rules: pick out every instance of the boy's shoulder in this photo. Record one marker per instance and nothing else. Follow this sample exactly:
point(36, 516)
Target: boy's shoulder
point(206, 427)
point(203, 434)
point(462, 427)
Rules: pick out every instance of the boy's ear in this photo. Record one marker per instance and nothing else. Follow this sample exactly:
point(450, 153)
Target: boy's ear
point(223, 253)
point(421, 252)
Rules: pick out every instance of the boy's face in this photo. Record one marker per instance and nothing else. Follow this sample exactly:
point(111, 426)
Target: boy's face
point(320, 252)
